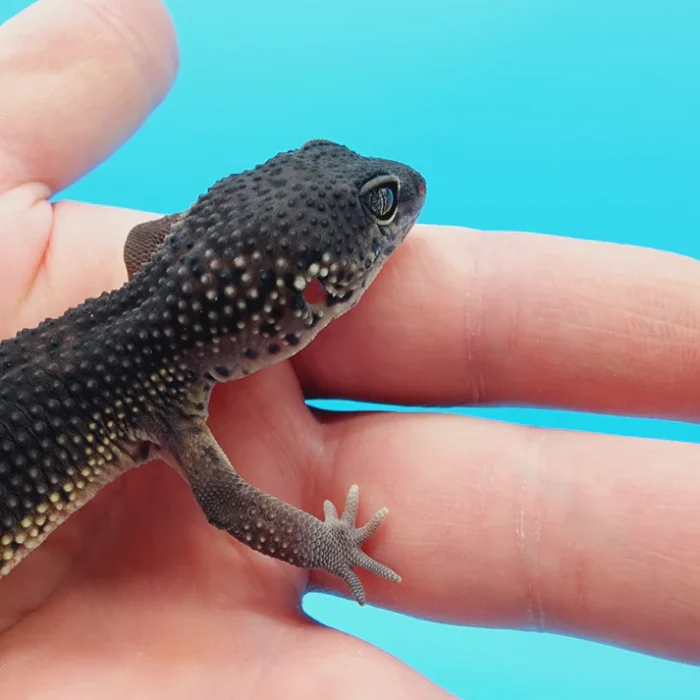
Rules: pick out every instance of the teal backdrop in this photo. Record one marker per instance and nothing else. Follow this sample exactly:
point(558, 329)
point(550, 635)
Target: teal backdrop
point(572, 117)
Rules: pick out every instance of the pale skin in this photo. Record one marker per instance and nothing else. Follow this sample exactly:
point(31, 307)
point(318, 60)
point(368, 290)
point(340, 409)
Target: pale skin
point(489, 524)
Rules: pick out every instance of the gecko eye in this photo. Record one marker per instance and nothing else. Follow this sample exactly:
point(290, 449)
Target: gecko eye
point(381, 198)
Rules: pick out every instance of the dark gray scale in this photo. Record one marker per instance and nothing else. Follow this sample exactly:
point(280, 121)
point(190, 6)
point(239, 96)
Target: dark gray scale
point(43, 433)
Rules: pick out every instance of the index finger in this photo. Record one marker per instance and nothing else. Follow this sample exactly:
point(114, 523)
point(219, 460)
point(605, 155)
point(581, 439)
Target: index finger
point(467, 317)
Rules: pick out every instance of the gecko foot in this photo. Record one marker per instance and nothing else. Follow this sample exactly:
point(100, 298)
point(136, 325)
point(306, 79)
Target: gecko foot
point(271, 526)
point(347, 540)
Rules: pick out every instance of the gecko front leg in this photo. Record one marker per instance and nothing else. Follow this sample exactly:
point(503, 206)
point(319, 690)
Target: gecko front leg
point(269, 525)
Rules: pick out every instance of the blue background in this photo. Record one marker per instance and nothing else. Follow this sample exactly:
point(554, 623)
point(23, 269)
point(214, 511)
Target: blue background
point(574, 117)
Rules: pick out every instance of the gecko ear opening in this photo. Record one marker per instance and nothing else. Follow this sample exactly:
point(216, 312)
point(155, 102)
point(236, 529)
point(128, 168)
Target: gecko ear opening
point(315, 292)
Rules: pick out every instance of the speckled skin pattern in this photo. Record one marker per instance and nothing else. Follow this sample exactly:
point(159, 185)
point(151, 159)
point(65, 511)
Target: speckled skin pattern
point(244, 278)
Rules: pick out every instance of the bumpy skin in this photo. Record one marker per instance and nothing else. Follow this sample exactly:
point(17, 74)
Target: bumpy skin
point(244, 278)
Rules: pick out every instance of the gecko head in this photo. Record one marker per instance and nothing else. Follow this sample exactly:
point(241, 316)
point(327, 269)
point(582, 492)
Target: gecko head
point(277, 252)
point(352, 212)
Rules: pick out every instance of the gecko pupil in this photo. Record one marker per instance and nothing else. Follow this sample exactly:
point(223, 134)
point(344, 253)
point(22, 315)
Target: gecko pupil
point(382, 202)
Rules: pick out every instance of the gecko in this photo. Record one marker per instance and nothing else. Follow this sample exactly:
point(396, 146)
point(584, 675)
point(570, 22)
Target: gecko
point(245, 277)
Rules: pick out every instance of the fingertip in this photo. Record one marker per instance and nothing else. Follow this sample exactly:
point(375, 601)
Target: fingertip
point(84, 75)
point(148, 32)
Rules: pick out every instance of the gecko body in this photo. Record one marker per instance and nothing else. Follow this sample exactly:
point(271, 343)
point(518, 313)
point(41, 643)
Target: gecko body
point(244, 278)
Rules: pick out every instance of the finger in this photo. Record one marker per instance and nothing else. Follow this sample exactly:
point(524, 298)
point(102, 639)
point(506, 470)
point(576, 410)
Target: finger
point(47, 275)
point(461, 317)
point(258, 653)
point(83, 75)
point(351, 666)
point(500, 525)
point(65, 278)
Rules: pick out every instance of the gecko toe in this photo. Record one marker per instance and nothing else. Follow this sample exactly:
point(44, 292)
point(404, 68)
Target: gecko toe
point(364, 561)
point(356, 588)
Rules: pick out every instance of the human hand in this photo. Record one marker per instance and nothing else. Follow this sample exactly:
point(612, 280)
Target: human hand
point(490, 524)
